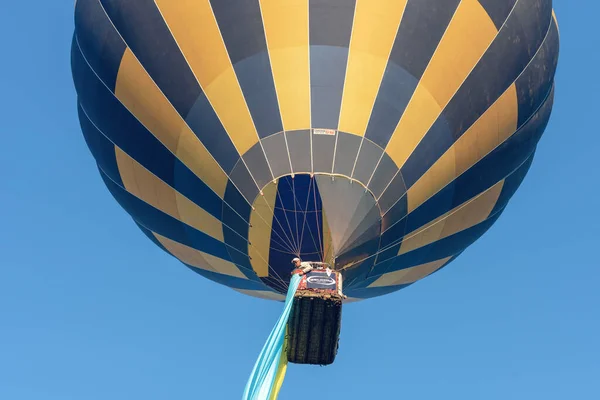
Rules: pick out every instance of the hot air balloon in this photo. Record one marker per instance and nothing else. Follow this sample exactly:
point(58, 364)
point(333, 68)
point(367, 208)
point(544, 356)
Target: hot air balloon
point(381, 138)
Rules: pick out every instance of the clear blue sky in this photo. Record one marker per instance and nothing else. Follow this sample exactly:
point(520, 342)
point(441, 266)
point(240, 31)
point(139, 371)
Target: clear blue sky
point(91, 309)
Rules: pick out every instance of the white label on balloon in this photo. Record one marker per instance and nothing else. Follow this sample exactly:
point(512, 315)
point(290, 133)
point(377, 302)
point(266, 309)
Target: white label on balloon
point(329, 132)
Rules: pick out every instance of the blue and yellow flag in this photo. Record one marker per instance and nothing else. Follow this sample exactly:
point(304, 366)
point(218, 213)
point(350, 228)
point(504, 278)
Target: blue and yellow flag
point(270, 367)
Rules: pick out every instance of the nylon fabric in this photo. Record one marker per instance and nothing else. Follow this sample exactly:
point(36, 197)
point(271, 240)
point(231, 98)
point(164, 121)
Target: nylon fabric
point(270, 367)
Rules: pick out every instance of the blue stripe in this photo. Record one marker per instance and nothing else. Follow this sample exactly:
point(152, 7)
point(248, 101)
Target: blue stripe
point(512, 183)
point(152, 238)
point(508, 56)
point(142, 27)
point(99, 40)
point(367, 293)
point(231, 281)
point(360, 271)
point(435, 143)
point(498, 10)
point(256, 80)
point(383, 175)
point(357, 274)
point(389, 252)
point(205, 124)
point(446, 247)
point(497, 165)
point(165, 225)
point(121, 128)
point(327, 74)
point(241, 177)
point(393, 193)
point(219, 278)
point(536, 81)
point(241, 26)
point(423, 25)
point(102, 149)
point(364, 284)
point(395, 92)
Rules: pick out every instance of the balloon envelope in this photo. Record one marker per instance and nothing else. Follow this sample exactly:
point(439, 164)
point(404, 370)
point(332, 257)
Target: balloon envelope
point(382, 137)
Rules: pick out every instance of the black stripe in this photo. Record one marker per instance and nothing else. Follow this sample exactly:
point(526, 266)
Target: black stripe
point(99, 41)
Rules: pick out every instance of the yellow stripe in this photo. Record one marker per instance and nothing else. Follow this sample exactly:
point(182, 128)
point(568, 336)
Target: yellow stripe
point(262, 294)
point(496, 125)
point(281, 368)
point(286, 30)
point(195, 29)
point(373, 35)
point(199, 259)
point(465, 216)
point(140, 95)
point(409, 275)
point(468, 36)
point(259, 233)
point(149, 188)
